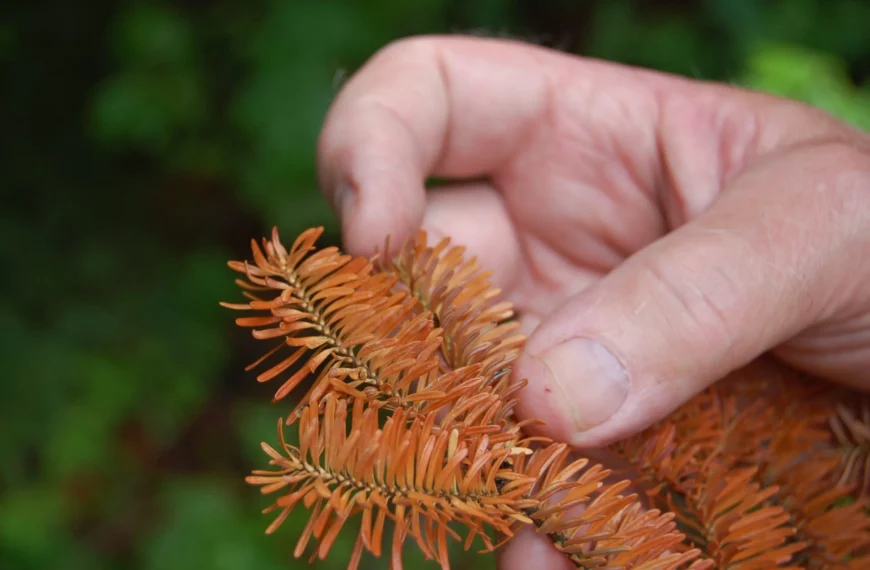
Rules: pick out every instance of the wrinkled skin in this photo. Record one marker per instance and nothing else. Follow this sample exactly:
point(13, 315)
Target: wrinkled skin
point(654, 232)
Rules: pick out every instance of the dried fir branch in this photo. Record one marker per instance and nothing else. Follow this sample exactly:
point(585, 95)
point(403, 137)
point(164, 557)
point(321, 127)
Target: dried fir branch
point(805, 453)
point(342, 322)
point(780, 432)
point(593, 522)
point(410, 417)
point(322, 301)
point(355, 332)
point(797, 458)
point(477, 330)
point(720, 506)
point(850, 426)
point(345, 464)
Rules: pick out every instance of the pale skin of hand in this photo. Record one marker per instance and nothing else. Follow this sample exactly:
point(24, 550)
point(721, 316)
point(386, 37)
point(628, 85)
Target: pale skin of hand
point(677, 228)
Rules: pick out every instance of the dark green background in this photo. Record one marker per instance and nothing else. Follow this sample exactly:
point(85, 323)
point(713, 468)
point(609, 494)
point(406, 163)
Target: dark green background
point(143, 144)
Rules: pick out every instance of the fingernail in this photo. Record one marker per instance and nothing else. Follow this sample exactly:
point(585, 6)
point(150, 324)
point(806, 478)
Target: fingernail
point(593, 382)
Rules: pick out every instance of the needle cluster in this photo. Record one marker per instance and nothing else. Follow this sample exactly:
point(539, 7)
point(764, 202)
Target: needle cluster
point(400, 368)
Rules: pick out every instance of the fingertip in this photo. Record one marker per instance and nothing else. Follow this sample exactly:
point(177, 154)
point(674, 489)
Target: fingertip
point(473, 215)
point(378, 144)
point(528, 545)
point(370, 216)
point(543, 400)
point(372, 174)
point(577, 383)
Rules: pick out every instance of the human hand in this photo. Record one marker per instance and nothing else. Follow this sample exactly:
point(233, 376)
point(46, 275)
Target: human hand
point(654, 232)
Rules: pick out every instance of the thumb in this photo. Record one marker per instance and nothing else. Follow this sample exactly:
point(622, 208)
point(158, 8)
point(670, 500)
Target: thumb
point(770, 257)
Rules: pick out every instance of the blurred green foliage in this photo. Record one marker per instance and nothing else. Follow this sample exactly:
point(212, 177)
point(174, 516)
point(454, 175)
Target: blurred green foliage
point(144, 143)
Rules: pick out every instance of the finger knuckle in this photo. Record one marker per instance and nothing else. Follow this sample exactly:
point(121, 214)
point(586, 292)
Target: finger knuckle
point(408, 47)
point(699, 306)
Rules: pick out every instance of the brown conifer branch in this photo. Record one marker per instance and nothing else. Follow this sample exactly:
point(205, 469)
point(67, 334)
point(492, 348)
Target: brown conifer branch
point(406, 471)
point(349, 323)
point(356, 334)
point(401, 471)
point(324, 301)
point(782, 432)
point(461, 298)
point(593, 522)
point(850, 426)
point(748, 475)
point(476, 329)
point(796, 457)
point(693, 464)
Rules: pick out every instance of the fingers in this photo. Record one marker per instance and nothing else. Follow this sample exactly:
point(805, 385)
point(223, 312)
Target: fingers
point(474, 216)
point(783, 248)
point(529, 549)
point(421, 107)
point(455, 107)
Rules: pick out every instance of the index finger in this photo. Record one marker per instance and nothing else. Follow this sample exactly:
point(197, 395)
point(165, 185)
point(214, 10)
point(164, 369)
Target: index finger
point(454, 107)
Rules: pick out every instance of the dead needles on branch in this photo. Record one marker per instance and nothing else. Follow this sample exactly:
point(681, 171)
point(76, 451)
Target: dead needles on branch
point(407, 416)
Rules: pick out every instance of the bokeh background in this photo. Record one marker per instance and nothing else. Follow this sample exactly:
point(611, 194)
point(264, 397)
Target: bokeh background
point(144, 144)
